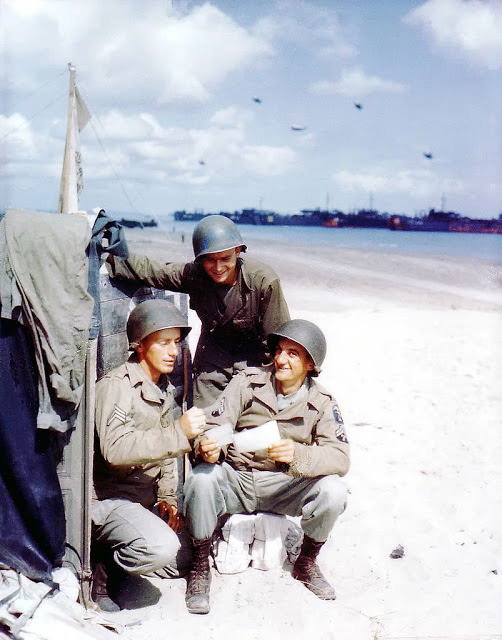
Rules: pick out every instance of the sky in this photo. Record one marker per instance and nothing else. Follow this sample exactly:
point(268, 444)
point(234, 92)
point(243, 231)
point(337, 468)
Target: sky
point(226, 104)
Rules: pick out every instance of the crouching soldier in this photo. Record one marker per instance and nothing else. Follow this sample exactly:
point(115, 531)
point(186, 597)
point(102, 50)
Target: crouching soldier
point(134, 509)
point(297, 476)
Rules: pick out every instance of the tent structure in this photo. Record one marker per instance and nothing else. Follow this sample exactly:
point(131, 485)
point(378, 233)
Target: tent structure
point(62, 325)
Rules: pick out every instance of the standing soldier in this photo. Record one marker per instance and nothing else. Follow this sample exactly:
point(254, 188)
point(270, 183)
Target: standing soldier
point(239, 301)
point(134, 508)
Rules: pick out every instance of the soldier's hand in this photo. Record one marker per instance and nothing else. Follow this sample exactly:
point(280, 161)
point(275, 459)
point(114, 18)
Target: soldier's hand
point(209, 450)
point(192, 422)
point(283, 451)
point(170, 514)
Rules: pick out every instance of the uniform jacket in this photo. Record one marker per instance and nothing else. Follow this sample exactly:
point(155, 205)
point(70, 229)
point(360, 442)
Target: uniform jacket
point(138, 437)
point(234, 324)
point(314, 424)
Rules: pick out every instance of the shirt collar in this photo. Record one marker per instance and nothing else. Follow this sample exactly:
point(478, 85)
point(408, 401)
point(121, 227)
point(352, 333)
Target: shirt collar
point(149, 389)
point(243, 273)
point(300, 395)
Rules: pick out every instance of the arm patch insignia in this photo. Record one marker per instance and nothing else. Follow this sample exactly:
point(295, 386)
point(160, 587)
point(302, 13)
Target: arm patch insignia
point(340, 434)
point(220, 409)
point(337, 415)
point(117, 413)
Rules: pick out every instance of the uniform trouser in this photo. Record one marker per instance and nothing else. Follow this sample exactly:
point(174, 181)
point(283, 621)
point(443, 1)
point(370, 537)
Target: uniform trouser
point(142, 543)
point(213, 490)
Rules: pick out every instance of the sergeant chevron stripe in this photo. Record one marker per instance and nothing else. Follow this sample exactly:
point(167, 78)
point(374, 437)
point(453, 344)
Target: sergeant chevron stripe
point(117, 413)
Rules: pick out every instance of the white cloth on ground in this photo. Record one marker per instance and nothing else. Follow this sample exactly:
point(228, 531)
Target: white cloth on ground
point(262, 541)
point(28, 609)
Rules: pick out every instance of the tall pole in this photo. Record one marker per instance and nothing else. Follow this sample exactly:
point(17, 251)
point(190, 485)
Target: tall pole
point(72, 181)
point(64, 193)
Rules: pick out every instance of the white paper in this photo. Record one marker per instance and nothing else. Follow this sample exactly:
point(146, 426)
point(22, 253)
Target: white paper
point(222, 434)
point(257, 438)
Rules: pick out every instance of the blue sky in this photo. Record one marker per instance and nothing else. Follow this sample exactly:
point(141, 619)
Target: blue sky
point(170, 86)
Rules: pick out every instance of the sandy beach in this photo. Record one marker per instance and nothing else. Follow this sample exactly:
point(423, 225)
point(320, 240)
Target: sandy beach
point(415, 362)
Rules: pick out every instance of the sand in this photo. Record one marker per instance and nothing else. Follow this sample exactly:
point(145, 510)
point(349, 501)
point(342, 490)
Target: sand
point(415, 362)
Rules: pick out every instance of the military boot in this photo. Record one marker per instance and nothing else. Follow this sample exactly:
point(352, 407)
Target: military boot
point(307, 571)
point(99, 589)
point(199, 578)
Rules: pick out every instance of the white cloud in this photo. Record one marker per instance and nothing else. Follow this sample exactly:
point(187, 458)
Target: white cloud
point(217, 47)
point(355, 83)
point(139, 52)
point(495, 188)
point(307, 26)
point(232, 117)
point(116, 125)
point(30, 150)
point(16, 136)
point(140, 149)
point(170, 87)
point(413, 182)
point(30, 160)
point(267, 160)
point(192, 155)
point(472, 28)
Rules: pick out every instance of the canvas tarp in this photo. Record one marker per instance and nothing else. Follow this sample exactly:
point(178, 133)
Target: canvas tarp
point(32, 519)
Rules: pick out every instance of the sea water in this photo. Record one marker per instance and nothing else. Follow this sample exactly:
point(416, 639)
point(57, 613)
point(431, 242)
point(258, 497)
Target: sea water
point(468, 245)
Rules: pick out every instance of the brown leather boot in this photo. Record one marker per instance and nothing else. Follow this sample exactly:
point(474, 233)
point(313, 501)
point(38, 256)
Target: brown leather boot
point(199, 578)
point(99, 589)
point(307, 571)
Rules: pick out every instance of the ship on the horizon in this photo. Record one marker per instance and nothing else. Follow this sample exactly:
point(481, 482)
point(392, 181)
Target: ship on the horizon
point(446, 221)
point(135, 221)
point(368, 218)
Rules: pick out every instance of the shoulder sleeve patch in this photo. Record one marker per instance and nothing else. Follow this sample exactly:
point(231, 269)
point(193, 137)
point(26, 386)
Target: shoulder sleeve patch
point(337, 415)
point(340, 428)
point(340, 434)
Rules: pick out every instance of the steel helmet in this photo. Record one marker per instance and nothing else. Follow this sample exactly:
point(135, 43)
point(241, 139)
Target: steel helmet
point(305, 333)
point(215, 233)
point(152, 315)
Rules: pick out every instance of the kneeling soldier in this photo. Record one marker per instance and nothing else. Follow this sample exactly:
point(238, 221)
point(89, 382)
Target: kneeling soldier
point(135, 474)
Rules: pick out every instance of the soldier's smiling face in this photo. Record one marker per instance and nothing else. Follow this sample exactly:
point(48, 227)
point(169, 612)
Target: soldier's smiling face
point(292, 364)
point(157, 352)
point(221, 266)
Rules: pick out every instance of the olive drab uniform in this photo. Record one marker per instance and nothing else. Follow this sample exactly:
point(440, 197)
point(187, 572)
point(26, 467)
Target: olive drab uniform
point(138, 437)
point(249, 481)
point(301, 477)
point(313, 421)
point(235, 320)
point(134, 468)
